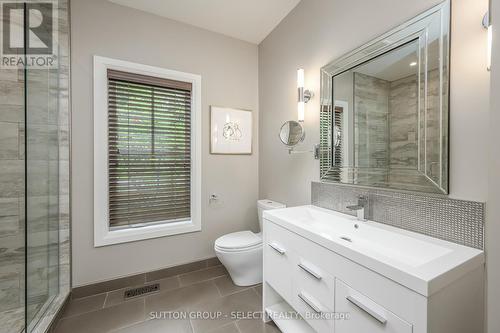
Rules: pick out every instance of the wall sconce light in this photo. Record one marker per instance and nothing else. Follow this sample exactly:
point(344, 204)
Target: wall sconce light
point(303, 95)
point(487, 25)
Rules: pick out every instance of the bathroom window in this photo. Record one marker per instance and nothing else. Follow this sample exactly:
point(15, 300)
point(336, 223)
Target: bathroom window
point(146, 152)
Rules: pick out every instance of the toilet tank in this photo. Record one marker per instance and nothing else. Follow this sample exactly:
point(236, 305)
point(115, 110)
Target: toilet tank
point(266, 204)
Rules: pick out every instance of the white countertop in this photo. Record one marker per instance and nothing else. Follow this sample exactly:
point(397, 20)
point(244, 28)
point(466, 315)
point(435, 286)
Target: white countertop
point(421, 263)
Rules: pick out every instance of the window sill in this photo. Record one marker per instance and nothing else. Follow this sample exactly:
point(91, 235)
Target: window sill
point(118, 236)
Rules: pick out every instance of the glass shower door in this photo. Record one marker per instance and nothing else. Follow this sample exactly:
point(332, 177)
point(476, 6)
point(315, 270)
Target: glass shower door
point(34, 164)
point(42, 191)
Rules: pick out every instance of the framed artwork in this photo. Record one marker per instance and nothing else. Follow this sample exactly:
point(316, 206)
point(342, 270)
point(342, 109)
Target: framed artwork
point(230, 131)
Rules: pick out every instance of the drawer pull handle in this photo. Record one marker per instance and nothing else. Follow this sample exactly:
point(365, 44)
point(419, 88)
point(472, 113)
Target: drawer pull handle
point(310, 303)
point(277, 249)
point(310, 271)
point(367, 309)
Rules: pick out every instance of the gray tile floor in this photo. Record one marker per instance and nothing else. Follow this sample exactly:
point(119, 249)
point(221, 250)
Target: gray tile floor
point(208, 297)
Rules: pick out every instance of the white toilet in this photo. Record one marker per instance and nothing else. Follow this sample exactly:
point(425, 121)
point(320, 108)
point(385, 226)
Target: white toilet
point(241, 252)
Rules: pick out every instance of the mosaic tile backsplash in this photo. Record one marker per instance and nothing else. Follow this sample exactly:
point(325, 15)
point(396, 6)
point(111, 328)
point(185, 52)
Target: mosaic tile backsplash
point(453, 220)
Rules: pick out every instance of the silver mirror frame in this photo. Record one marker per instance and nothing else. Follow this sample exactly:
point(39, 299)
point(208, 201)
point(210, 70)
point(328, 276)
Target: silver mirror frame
point(414, 29)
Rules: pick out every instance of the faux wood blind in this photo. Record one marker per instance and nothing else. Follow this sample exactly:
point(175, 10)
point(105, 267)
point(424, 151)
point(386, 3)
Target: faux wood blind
point(338, 139)
point(326, 134)
point(149, 126)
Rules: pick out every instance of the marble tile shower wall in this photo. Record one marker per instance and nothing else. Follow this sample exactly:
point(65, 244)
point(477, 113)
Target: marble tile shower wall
point(403, 128)
point(403, 123)
point(11, 190)
point(386, 122)
point(371, 120)
point(457, 221)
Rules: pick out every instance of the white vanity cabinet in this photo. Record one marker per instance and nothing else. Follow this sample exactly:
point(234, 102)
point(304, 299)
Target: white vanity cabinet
point(334, 293)
point(297, 279)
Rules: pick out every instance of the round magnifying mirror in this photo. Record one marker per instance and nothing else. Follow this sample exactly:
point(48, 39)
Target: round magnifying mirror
point(292, 133)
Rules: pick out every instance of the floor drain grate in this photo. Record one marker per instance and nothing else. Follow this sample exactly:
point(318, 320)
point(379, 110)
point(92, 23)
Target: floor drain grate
point(139, 291)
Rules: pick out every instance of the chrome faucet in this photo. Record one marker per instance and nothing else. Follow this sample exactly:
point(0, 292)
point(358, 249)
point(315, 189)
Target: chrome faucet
point(360, 207)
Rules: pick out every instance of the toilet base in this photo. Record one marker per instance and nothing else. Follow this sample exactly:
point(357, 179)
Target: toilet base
point(244, 267)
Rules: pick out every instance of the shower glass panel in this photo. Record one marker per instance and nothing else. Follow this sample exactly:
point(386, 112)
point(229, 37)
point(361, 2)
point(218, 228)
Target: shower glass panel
point(34, 164)
point(42, 191)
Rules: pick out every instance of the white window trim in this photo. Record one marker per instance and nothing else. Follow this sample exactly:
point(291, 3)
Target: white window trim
point(102, 234)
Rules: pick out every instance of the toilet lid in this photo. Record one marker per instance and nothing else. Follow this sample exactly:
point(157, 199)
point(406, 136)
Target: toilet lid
point(238, 240)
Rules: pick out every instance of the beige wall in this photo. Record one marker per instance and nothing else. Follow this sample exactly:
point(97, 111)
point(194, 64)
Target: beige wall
point(229, 78)
point(493, 211)
point(318, 31)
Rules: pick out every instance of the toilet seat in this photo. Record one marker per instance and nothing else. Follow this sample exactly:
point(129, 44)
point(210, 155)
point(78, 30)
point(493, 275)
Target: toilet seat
point(238, 241)
point(239, 250)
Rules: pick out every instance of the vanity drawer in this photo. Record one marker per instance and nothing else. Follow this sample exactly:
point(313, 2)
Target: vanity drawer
point(315, 281)
point(364, 314)
point(316, 255)
point(313, 311)
point(278, 259)
point(314, 292)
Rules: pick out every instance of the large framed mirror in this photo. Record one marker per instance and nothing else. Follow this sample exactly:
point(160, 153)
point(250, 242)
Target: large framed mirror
point(385, 109)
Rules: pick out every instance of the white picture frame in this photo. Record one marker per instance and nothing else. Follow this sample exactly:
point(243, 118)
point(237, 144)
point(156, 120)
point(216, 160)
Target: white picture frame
point(230, 131)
